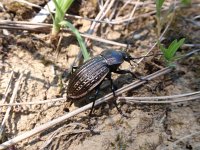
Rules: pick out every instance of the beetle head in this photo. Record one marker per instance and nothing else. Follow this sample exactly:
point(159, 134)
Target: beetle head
point(127, 57)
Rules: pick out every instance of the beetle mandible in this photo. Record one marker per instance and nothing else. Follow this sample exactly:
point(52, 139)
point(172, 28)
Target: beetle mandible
point(91, 74)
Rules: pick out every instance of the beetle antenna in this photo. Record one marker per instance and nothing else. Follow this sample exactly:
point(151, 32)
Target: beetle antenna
point(132, 58)
point(128, 45)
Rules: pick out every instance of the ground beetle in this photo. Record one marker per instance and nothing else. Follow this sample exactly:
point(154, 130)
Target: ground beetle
point(91, 74)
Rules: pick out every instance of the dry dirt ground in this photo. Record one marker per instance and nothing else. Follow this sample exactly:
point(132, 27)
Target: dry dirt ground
point(148, 126)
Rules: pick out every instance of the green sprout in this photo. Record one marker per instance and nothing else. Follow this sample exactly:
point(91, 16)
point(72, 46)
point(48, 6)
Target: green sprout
point(159, 4)
point(85, 53)
point(58, 21)
point(169, 53)
point(61, 7)
point(186, 2)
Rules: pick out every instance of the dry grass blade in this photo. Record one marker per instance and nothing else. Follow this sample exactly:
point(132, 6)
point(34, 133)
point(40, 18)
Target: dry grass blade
point(133, 11)
point(54, 134)
point(28, 3)
point(19, 23)
point(107, 9)
point(12, 99)
point(191, 45)
point(154, 100)
point(7, 88)
point(96, 38)
point(84, 108)
point(24, 25)
point(35, 102)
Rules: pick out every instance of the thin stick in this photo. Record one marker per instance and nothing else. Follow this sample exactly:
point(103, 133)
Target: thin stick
point(113, 12)
point(35, 102)
point(58, 47)
point(133, 11)
point(161, 97)
point(98, 17)
point(99, 39)
point(191, 45)
point(107, 9)
point(19, 23)
point(8, 86)
point(84, 108)
point(54, 134)
point(191, 53)
point(75, 131)
point(120, 9)
point(120, 21)
point(12, 99)
point(28, 3)
point(130, 100)
point(24, 25)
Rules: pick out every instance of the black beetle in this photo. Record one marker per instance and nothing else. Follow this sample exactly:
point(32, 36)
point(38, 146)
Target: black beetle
point(91, 74)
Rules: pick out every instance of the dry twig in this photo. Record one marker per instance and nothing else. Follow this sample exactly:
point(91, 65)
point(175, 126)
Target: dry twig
point(12, 99)
point(154, 100)
point(35, 102)
point(7, 88)
point(54, 134)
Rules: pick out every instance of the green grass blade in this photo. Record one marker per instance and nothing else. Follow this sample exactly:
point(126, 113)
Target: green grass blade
point(169, 53)
point(174, 46)
point(59, 11)
point(186, 2)
point(57, 19)
point(180, 43)
point(163, 49)
point(159, 4)
point(171, 50)
point(79, 38)
point(61, 7)
point(66, 4)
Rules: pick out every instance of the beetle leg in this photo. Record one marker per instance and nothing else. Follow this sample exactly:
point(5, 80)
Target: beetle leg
point(119, 110)
point(128, 71)
point(90, 114)
point(113, 87)
point(94, 99)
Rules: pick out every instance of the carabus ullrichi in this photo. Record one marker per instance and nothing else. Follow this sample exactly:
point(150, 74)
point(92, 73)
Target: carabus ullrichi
point(91, 74)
